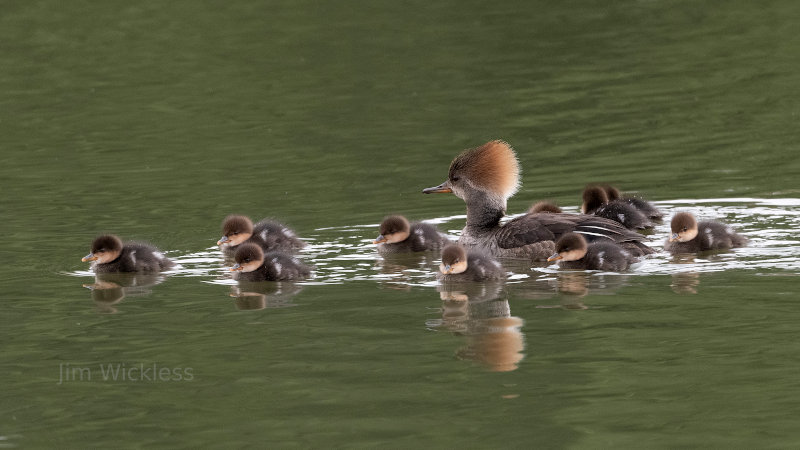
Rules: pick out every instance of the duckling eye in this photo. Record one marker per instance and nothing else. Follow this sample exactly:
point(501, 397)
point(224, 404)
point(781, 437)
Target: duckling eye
point(685, 228)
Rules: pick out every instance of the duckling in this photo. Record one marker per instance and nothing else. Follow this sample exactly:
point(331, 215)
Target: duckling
point(544, 207)
point(458, 265)
point(253, 265)
point(575, 253)
point(485, 177)
point(689, 236)
point(397, 235)
point(644, 207)
point(270, 235)
point(110, 255)
point(595, 201)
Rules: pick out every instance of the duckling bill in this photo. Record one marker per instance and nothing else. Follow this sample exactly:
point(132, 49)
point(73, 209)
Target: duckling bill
point(109, 254)
point(690, 236)
point(397, 235)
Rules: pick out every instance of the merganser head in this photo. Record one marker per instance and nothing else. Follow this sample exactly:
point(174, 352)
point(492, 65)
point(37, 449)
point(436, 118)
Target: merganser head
point(570, 247)
point(393, 229)
point(105, 249)
point(248, 257)
point(684, 227)
point(612, 192)
point(491, 168)
point(593, 198)
point(544, 207)
point(235, 230)
point(454, 259)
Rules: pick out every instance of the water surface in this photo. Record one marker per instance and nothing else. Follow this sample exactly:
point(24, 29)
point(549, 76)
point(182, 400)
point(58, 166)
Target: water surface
point(156, 120)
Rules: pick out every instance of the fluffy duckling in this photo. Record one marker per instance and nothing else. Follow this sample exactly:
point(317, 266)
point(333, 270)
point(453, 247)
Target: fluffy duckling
point(689, 236)
point(397, 235)
point(596, 201)
point(458, 265)
point(644, 207)
point(253, 265)
point(268, 234)
point(544, 207)
point(485, 177)
point(110, 255)
point(575, 253)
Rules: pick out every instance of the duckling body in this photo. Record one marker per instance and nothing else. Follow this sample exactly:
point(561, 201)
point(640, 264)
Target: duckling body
point(690, 236)
point(596, 201)
point(253, 265)
point(267, 234)
point(642, 205)
point(573, 252)
point(458, 265)
point(485, 177)
point(397, 235)
point(110, 255)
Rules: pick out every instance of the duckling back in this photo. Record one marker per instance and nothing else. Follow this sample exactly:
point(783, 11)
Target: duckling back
point(605, 256)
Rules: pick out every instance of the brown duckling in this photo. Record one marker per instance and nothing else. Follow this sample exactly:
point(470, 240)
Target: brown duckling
point(690, 236)
point(644, 207)
point(109, 255)
point(458, 265)
point(268, 234)
point(575, 253)
point(596, 201)
point(397, 235)
point(253, 265)
point(485, 177)
point(544, 207)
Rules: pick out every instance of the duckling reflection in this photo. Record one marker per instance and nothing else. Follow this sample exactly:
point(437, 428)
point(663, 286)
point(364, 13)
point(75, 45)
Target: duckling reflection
point(256, 296)
point(493, 335)
point(685, 283)
point(111, 288)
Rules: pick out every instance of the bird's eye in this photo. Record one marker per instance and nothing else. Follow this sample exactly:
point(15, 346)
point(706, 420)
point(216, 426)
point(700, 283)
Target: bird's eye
point(684, 229)
point(455, 179)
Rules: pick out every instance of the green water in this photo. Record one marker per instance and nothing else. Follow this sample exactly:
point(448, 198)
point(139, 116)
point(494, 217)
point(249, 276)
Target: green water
point(154, 120)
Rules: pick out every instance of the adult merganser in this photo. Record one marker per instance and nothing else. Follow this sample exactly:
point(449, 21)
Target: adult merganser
point(485, 177)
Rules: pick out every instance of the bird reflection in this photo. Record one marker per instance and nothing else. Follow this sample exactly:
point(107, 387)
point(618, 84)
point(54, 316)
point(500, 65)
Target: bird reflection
point(255, 296)
point(493, 335)
point(109, 289)
point(685, 283)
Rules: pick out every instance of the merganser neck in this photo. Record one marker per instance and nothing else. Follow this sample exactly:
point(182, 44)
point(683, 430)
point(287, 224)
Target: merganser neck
point(484, 211)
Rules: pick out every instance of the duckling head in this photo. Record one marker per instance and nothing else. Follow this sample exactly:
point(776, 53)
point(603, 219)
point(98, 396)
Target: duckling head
point(593, 198)
point(570, 247)
point(491, 169)
point(393, 229)
point(105, 249)
point(248, 257)
point(612, 192)
point(544, 207)
point(454, 259)
point(235, 230)
point(684, 227)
